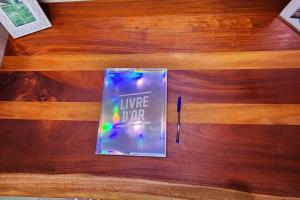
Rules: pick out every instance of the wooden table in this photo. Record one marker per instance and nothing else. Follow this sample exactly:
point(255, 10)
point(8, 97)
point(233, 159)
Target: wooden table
point(241, 107)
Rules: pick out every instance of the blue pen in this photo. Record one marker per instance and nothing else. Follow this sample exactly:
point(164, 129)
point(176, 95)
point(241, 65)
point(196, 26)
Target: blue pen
point(178, 119)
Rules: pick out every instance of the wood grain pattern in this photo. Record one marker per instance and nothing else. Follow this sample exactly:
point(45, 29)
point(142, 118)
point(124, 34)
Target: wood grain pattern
point(288, 114)
point(87, 186)
point(235, 86)
point(209, 86)
point(240, 114)
point(160, 26)
point(51, 86)
point(252, 158)
point(247, 141)
point(240, 127)
point(174, 61)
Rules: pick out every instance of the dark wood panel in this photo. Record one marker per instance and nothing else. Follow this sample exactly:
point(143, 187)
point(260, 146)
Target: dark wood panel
point(252, 158)
point(235, 86)
point(160, 26)
point(214, 86)
point(51, 86)
point(132, 8)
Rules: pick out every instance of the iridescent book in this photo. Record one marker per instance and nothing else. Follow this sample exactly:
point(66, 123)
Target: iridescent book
point(133, 113)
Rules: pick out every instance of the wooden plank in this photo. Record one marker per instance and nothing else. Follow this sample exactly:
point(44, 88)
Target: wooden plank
point(172, 61)
point(235, 86)
point(288, 114)
point(78, 111)
point(87, 186)
point(209, 86)
point(166, 26)
point(131, 8)
point(51, 86)
point(252, 158)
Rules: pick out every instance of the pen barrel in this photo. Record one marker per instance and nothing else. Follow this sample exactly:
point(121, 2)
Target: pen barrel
point(178, 127)
point(179, 104)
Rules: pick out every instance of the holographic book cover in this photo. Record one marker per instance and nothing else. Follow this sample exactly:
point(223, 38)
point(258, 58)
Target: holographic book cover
point(133, 113)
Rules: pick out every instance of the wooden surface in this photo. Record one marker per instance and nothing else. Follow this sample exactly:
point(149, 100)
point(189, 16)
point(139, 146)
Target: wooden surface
point(241, 109)
point(98, 187)
point(153, 26)
point(240, 129)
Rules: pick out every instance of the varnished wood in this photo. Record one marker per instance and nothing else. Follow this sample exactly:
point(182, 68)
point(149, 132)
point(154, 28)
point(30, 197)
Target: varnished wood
point(240, 115)
point(174, 61)
point(255, 152)
point(77, 111)
point(160, 26)
point(288, 114)
point(252, 158)
point(88, 186)
point(209, 86)
point(51, 86)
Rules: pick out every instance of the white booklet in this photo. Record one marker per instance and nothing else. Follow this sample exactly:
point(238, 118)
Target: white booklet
point(133, 113)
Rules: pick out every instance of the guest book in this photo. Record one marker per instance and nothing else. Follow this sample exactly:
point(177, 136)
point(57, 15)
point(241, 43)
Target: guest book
point(133, 113)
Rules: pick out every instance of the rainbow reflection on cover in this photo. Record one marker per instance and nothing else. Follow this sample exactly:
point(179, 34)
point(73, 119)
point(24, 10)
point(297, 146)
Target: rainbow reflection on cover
point(133, 113)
